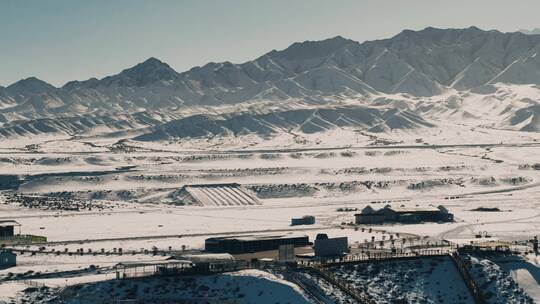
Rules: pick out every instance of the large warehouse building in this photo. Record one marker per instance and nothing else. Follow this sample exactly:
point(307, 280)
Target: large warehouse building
point(252, 243)
point(403, 215)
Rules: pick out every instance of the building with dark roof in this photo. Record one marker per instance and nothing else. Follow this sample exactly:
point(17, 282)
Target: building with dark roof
point(252, 243)
point(402, 214)
point(304, 220)
point(7, 259)
point(328, 247)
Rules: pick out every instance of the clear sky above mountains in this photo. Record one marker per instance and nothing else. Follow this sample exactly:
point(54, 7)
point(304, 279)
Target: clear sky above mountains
point(62, 40)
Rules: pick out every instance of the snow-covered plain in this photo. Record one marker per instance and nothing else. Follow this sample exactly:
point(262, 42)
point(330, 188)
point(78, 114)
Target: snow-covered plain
point(142, 211)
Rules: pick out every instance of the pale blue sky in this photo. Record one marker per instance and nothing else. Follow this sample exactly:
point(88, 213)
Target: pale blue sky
point(62, 40)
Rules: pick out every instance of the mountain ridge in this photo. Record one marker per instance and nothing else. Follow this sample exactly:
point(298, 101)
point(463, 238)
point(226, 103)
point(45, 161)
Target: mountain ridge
point(297, 50)
point(412, 64)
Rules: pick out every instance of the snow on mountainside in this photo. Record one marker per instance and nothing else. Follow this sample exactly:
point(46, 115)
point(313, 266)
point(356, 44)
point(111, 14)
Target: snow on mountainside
point(304, 120)
point(535, 31)
point(431, 75)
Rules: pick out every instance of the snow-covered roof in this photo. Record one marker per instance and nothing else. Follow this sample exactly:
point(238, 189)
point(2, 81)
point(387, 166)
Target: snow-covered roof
point(401, 209)
point(6, 223)
point(258, 237)
point(415, 209)
point(207, 257)
point(151, 263)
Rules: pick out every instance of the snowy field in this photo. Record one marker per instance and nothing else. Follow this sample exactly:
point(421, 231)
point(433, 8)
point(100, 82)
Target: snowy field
point(121, 195)
point(96, 200)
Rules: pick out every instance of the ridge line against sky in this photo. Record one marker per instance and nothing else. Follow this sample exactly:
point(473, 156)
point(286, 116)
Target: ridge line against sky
point(61, 40)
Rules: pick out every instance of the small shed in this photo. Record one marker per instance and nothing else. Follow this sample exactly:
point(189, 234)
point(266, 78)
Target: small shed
point(7, 259)
point(7, 228)
point(304, 220)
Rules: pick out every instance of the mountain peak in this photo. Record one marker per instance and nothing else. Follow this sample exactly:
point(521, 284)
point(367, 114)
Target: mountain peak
point(149, 64)
point(149, 71)
point(30, 85)
point(153, 61)
point(311, 49)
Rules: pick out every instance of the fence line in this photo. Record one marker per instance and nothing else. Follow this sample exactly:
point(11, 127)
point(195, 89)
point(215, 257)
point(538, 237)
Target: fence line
point(467, 278)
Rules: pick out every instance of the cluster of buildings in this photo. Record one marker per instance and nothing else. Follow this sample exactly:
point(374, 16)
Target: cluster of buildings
point(285, 244)
point(323, 245)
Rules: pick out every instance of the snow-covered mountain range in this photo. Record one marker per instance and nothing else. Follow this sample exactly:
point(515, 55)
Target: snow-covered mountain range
point(409, 81)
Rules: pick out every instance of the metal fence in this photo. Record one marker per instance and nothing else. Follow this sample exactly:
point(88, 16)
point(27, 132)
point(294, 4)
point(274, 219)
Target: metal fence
point(22, 239)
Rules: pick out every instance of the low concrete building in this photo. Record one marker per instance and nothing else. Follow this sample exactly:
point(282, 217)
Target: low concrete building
point(402, 214)
point(328, 247)
point(7, 259)
point(304, 220)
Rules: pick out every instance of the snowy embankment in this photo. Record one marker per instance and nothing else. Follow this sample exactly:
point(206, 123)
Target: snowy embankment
point(247, 286)
point(505, 280)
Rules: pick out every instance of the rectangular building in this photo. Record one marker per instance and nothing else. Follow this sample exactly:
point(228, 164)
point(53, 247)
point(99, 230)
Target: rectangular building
point(251, 243)
point(304, 220)
point(328, 247)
